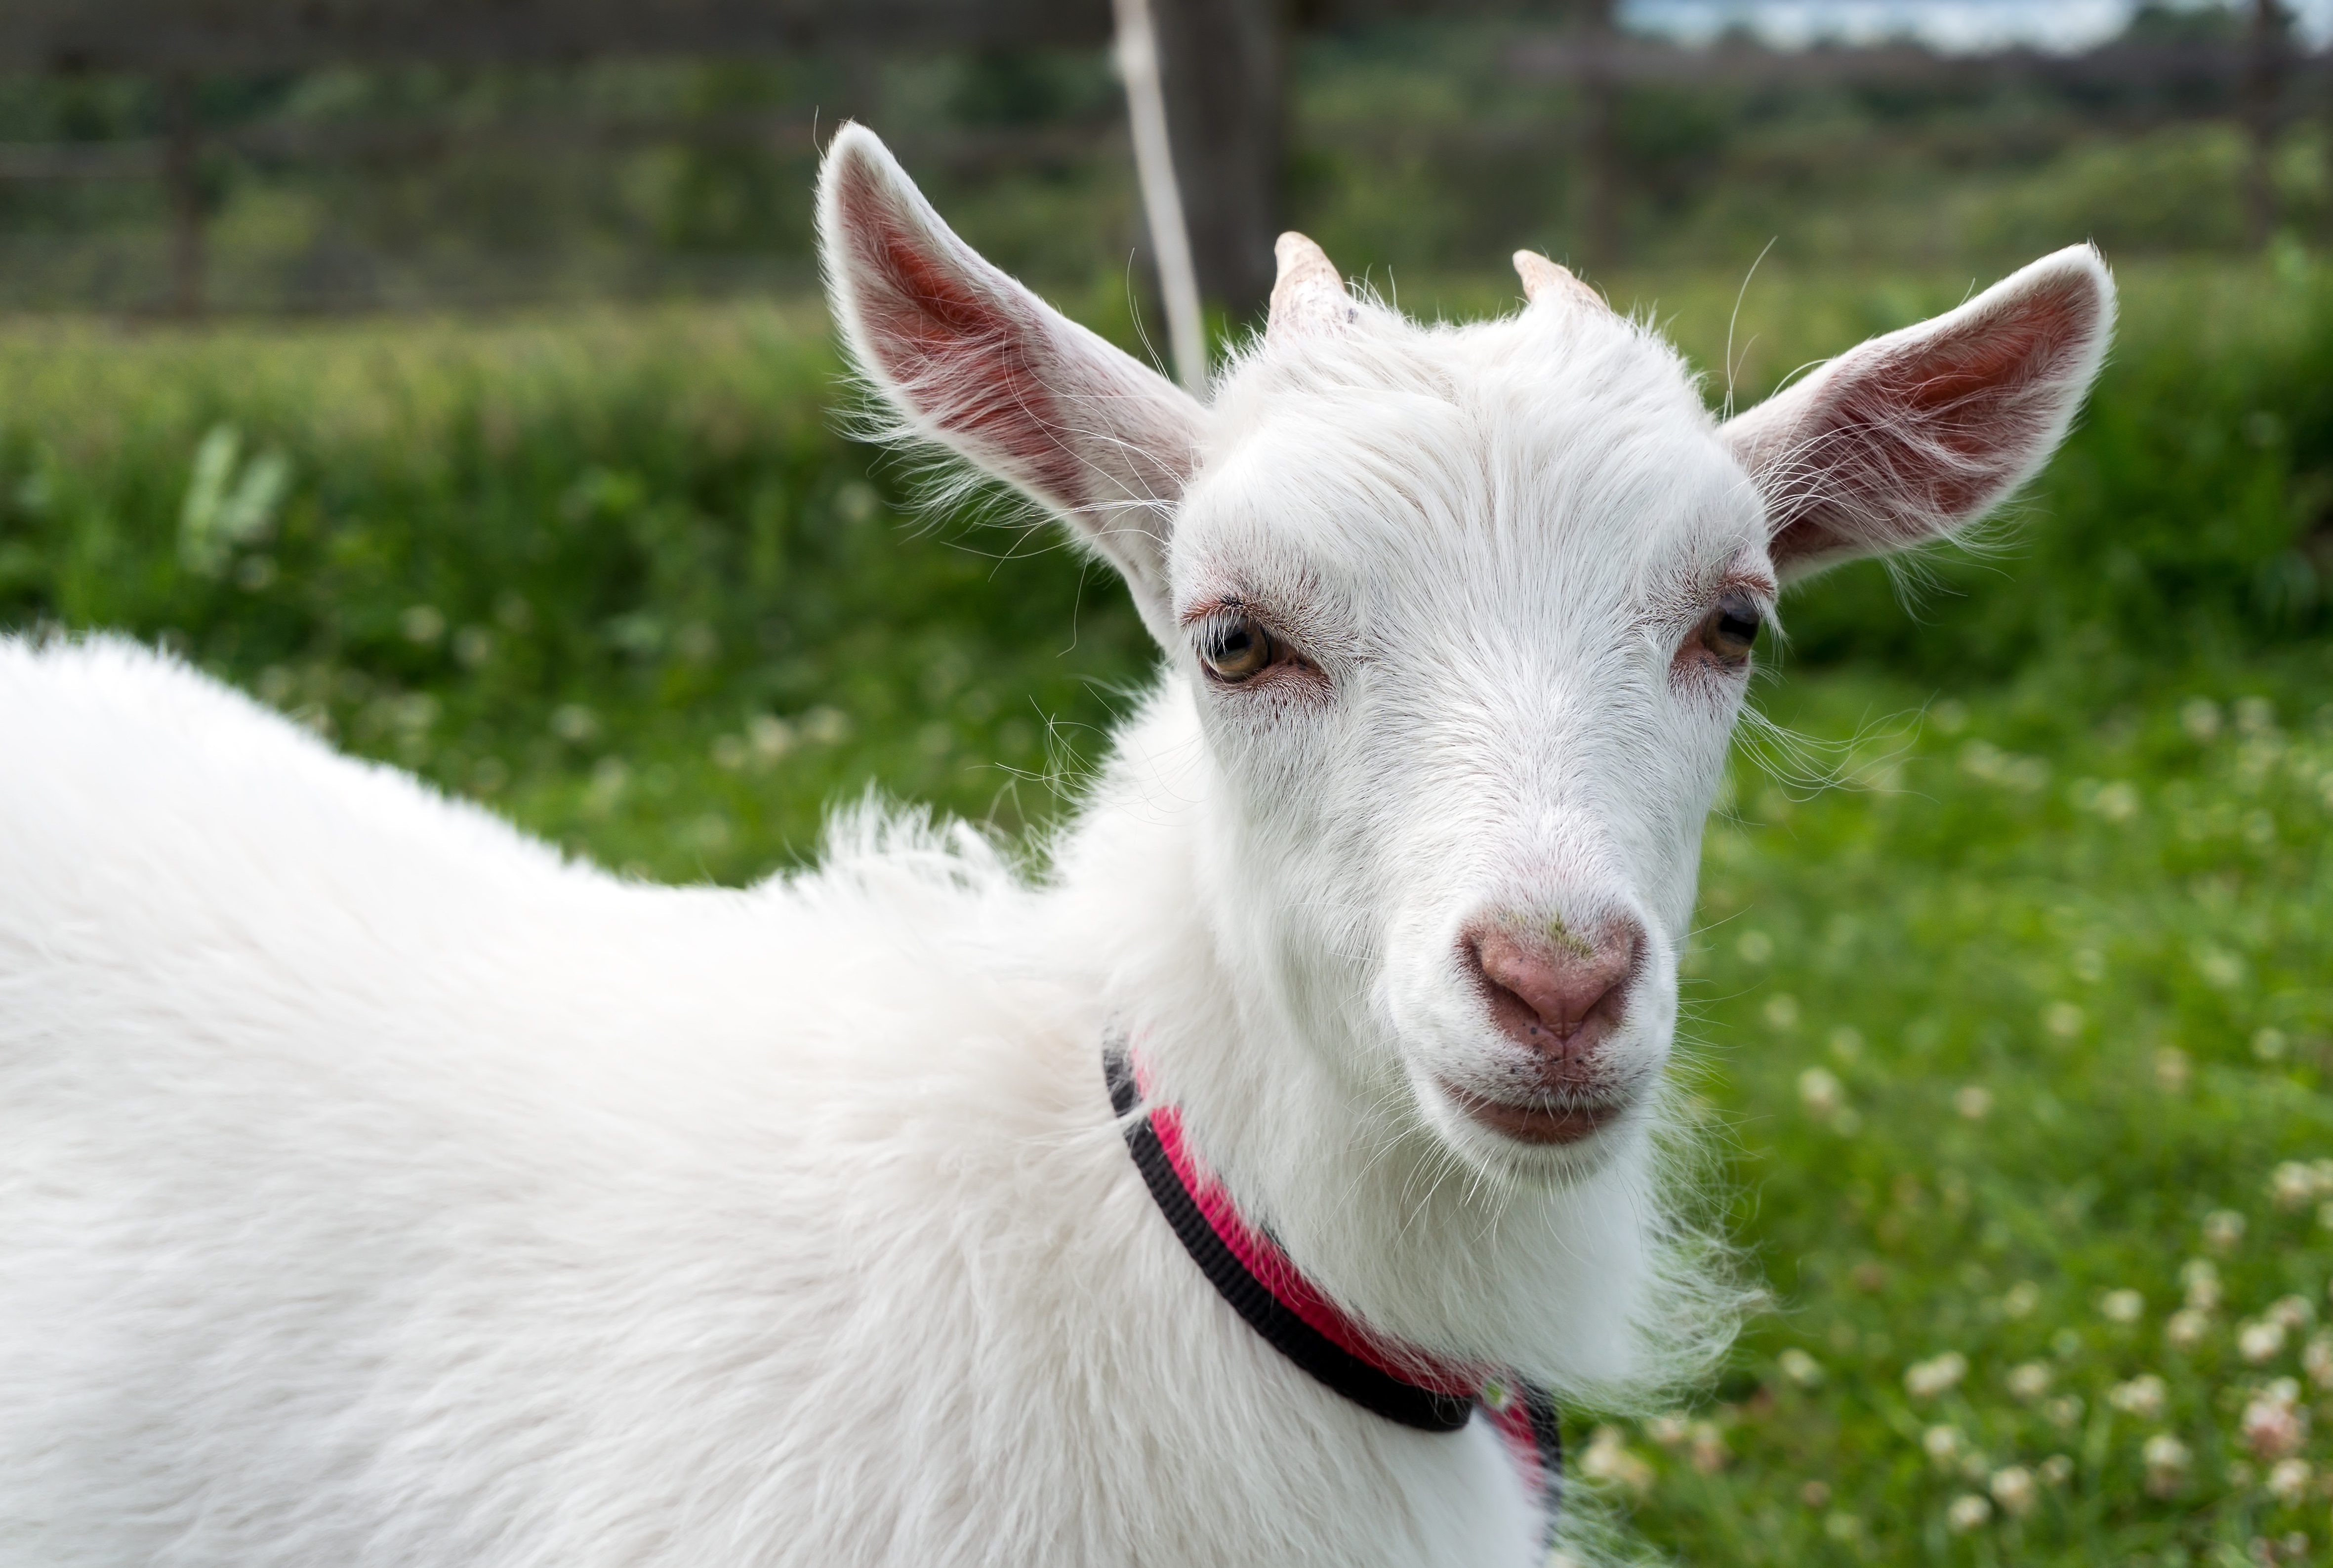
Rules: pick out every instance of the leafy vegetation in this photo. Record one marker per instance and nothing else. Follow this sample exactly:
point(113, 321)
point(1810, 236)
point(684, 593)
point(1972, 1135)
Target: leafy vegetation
point(613, 574)
point(1997, 1033)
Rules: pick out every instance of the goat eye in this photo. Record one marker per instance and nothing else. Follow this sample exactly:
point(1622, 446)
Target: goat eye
point(1731, 628)
point(1236, 648)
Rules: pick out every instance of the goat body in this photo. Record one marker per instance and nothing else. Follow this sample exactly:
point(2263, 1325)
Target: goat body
point(377, 1186)
point(380, 1188)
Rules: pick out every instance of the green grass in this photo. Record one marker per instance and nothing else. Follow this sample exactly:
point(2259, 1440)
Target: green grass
point(1991, 1032)
point(1987, 1033)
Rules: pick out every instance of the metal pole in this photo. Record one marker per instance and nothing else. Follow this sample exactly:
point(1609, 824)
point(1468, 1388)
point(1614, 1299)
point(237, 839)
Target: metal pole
point(1162, 198)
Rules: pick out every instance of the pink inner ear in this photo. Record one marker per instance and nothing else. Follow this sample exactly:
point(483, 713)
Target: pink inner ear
point(1926, 436)
point(960, 355)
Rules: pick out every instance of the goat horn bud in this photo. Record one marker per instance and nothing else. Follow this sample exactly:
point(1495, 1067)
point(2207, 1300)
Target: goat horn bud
point(1547, 284)
point(1308, 296)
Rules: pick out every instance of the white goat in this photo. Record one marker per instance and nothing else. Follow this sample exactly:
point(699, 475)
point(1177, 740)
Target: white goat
point(376, 1188)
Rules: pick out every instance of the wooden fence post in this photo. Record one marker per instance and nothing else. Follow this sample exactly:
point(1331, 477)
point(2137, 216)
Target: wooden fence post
point(1599, 92)
point(183, 189)
point(1222, 62)
point(2262, 111)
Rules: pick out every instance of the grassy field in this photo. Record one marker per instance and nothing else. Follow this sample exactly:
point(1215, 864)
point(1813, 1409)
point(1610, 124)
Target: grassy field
point(2018, 1040)
point(2009, 1008)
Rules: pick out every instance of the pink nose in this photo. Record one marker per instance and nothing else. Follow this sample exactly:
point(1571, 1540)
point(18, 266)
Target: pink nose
point(1551, 992)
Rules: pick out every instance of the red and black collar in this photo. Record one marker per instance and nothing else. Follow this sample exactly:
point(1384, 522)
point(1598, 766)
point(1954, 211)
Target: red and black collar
point(1250, 1271)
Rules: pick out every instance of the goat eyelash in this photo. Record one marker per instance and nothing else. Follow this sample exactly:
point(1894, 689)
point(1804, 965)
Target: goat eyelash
point(1241, 650)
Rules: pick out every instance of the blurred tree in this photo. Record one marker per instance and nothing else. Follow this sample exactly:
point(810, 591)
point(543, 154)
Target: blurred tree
point(2156, 22)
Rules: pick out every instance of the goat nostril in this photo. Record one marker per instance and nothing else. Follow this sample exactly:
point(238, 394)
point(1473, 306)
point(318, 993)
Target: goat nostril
point(1548, 994)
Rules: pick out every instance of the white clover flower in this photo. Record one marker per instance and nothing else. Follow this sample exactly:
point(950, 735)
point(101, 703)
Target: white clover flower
point(1609, 1458)
point(1974, 1102)
point(2316, 1360)
point(2014, 1490)
point(771, 736)
point(1820, 1091)
point(2020, 1299)
point(2202, 1281)
point(2172, 1069)
point(2288, 1481)
point(1710, 1453)
point(1925, 1379)
point(2223, 1230)
point(2186, 1328)
point(1669, 1431)
point(1943, 1444)
point(2056, 1469)
point(2166, 1458)
point(1800, 1368)
point(1968, 1511)
point(2217, 965)
point(2063, 1411)
point(2294, 1312)
point(2293, 1185)
point(2122, 1306)
point(2117, 802)
point(2144, 1397)
point(574, 722)
point(2274, 1424)
point(824, 726)
point(2030, 1380)
point(2258, 1341)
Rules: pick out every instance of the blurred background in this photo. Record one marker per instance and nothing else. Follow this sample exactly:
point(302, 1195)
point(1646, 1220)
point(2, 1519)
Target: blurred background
point(453, 379)
point(368, 155)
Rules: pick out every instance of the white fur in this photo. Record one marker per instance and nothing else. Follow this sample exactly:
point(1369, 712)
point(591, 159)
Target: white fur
point(376, 1188)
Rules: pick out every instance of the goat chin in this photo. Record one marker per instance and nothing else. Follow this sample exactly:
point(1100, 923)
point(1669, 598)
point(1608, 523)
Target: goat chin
point(379, 1186)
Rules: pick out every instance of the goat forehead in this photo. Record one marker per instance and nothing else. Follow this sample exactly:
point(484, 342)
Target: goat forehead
point(1416, 511)
point(1523, 456)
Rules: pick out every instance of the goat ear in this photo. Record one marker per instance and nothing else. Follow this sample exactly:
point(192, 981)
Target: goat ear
point(1915, 436)
point(973, 362)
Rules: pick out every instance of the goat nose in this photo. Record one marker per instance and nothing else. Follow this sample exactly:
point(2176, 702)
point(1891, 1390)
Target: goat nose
point(1549, 990)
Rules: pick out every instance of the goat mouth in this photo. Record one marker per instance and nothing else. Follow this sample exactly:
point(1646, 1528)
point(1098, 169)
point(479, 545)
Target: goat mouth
point(1537, 1122)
